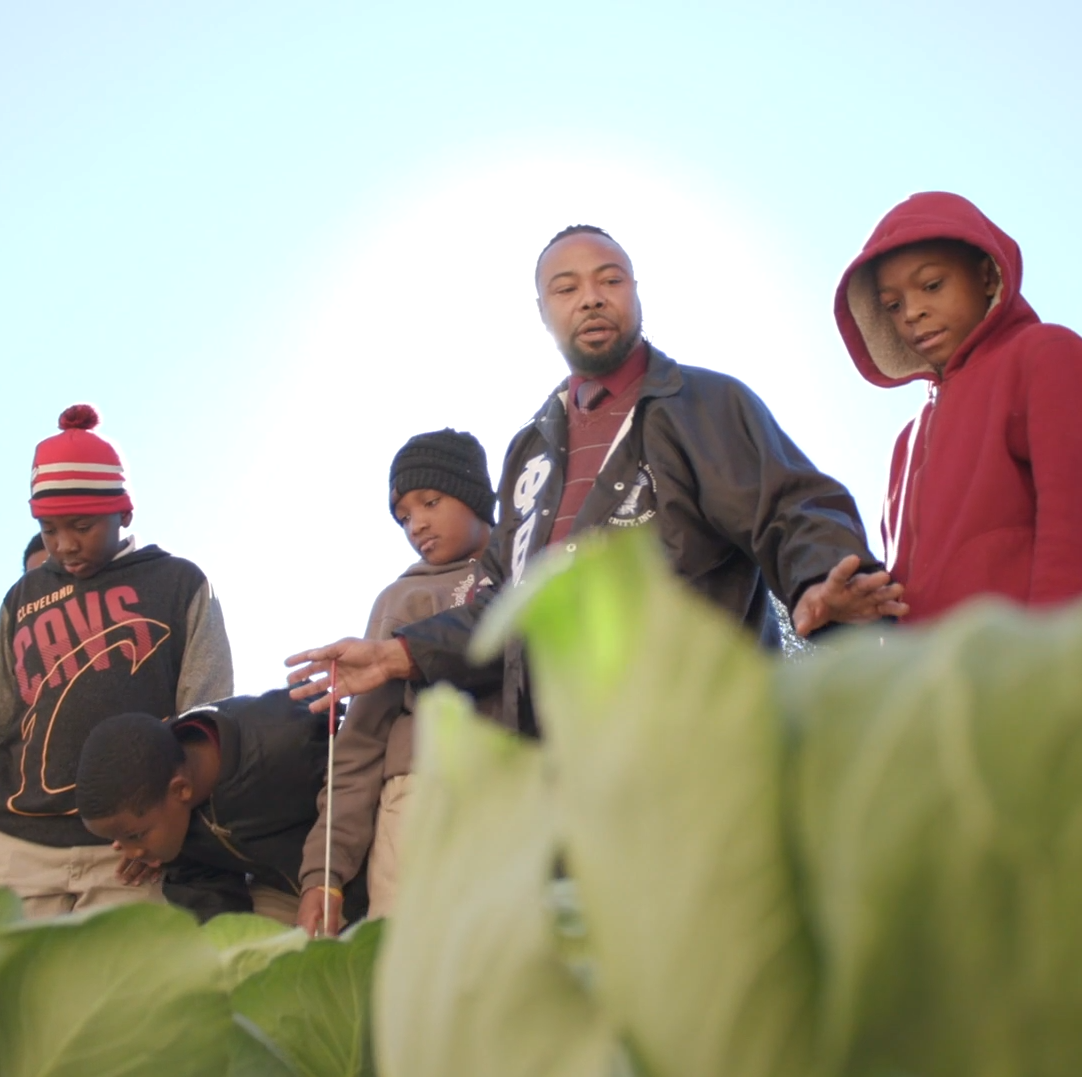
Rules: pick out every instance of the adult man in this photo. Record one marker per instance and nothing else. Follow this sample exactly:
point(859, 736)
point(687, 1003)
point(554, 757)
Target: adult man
point(634, 437)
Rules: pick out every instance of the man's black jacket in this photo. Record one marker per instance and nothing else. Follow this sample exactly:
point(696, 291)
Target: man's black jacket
point(738, 507)
point(273, 762)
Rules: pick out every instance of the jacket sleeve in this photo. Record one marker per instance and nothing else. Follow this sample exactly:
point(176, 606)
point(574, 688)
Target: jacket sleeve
point(206, 671)
point(206, 890)
point(358, 778)
point(757, 490)
point(438, 645)
point(1053, 390)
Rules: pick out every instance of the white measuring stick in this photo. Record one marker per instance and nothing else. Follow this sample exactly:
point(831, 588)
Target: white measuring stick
point(332, 724)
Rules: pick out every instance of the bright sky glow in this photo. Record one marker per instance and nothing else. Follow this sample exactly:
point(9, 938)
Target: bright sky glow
point(271, 241)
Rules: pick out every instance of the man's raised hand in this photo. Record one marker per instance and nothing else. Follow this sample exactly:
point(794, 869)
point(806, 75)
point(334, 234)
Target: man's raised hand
point(848, 596)
point(362, 665)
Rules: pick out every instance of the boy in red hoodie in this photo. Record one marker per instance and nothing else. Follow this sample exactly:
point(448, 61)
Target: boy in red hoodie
point(985, 493)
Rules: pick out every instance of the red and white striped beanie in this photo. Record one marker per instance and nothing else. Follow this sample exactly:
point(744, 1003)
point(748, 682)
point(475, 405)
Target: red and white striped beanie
point(77, 473)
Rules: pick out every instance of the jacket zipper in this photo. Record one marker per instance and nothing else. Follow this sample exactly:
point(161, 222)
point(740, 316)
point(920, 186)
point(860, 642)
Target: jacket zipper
point(223, 834)
point(935, 387)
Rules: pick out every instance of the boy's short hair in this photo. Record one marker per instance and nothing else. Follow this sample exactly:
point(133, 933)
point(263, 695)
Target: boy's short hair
point(35, 545)
point(974, 254)
point(127, 764)
point(450, 461)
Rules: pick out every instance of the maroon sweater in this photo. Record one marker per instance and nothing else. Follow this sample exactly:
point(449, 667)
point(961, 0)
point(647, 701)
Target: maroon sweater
point(591, 433)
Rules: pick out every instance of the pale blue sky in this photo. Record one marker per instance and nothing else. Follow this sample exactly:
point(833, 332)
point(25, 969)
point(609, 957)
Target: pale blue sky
point(270, 241)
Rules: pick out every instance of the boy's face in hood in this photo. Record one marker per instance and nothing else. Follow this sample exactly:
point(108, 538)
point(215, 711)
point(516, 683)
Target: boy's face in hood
point(936, 294)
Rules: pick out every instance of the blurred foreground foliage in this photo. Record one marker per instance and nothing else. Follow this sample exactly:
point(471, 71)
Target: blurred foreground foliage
point(864, 864)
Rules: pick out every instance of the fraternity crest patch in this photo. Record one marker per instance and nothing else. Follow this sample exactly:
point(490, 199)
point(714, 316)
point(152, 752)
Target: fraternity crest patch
point(640, 505)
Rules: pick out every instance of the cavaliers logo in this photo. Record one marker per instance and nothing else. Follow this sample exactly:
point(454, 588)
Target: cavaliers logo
point(130, 640)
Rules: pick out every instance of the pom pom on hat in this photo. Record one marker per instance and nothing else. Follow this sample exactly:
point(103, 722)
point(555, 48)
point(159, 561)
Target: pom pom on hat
point(79, 417)
point(76, 472)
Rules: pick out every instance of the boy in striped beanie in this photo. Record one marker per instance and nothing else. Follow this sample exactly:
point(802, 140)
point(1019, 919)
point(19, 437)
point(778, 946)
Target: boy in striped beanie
point(77, 495)
point(103, 627)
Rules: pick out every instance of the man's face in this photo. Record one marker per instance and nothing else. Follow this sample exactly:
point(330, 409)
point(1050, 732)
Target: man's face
point(589, 302)
point(83, 545)
point(440, 527)
point(154, 836)
point(936, 294)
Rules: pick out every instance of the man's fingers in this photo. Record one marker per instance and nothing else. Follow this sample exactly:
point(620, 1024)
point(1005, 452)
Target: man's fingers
point(844, 570)
point(316, 654)
point(302, 678)
point(866, 582)
point(893, 609)
point(306, 688)
point(321, 705)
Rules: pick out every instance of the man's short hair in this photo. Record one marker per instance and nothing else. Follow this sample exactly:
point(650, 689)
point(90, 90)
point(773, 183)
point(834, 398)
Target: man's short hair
point(570, 230)
point(35, 545)
point(127, 764)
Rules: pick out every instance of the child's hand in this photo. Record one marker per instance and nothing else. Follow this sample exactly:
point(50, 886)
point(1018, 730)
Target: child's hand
point(848, 597)
point(310, 912)
point(137, 872)
point(362, 666)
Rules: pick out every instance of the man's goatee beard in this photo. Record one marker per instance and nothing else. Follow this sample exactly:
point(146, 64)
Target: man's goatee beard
point(598, 364)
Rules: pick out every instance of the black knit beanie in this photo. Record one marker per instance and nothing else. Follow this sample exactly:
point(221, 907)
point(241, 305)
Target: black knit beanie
point(449, 461)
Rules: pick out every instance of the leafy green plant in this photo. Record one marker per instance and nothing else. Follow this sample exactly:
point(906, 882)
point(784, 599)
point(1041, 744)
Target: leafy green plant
point(472, 982)
point(142, 988)
point(864, 864)
point(314, 1004)
point(129, 990)
point(716, 864)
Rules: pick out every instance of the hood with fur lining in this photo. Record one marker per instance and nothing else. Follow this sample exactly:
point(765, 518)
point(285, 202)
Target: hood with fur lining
point(877, 350)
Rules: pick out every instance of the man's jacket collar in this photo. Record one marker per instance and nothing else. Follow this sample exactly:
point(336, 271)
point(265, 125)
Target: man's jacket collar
point(663, 378)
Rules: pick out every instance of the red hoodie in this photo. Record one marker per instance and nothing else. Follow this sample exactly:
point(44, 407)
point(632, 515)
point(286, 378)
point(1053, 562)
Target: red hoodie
point(985, 492)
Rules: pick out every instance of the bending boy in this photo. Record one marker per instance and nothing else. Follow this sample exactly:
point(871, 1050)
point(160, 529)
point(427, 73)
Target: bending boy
point(221, 798)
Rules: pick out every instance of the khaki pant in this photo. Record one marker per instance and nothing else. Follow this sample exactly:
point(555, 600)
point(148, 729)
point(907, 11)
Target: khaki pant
point(383, 859)
point(278, 905)
point(54, 881)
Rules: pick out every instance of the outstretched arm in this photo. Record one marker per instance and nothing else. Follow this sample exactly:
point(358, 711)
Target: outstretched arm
point(848, 596)
point(757, 490)
point(362, 665)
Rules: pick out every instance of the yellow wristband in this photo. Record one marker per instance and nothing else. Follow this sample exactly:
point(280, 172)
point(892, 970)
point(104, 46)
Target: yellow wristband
point(332, 890)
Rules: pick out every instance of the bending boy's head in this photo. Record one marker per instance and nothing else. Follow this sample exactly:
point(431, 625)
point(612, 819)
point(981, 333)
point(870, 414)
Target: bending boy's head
point(77, 495)
point(442, 495)
point(131, 787)
point(936, 293)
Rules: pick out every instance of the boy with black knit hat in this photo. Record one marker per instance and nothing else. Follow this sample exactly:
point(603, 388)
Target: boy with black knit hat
point(442, 496)
point(101, 628)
